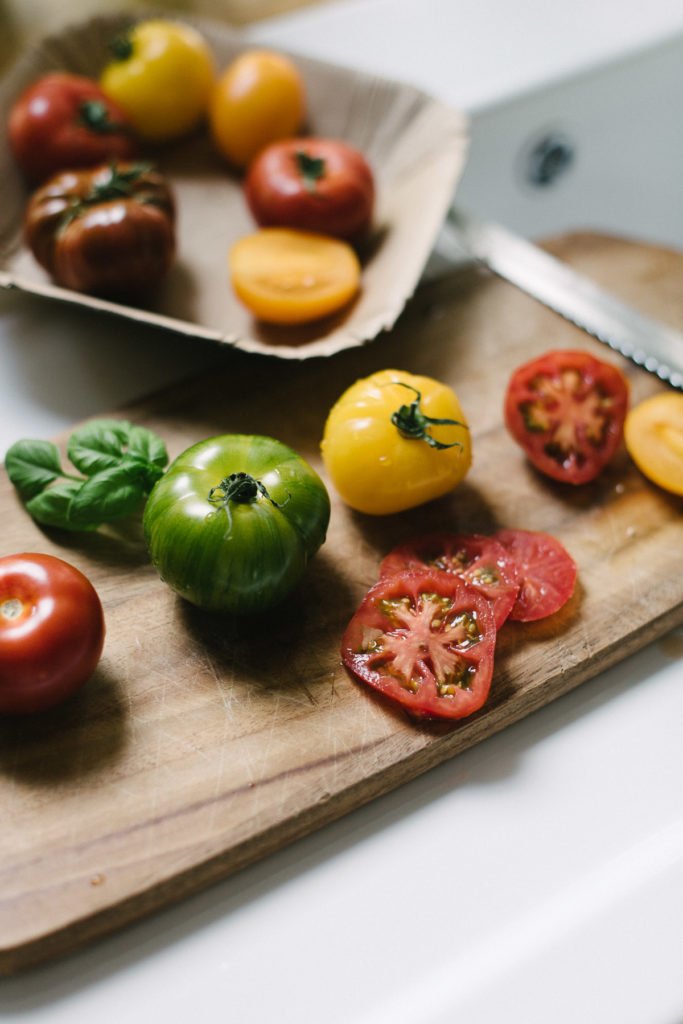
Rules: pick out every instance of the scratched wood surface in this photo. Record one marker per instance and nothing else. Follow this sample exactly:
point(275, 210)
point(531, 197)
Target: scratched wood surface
point(202, 744)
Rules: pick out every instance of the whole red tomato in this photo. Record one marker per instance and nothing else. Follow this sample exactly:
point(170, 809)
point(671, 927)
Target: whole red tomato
point(65, 121)
point(321, 185)
point(107, 231)
point(51, 632)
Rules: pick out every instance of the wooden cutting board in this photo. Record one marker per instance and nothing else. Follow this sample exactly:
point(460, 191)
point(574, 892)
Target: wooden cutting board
point(202, 743)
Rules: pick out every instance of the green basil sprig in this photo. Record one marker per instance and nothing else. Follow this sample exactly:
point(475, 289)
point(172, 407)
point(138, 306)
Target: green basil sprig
point(119, 462)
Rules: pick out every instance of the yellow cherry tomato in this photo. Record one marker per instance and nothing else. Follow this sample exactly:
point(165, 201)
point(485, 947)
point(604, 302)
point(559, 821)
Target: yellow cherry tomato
point(259, 99)
point(386, 446)
point(162, 76)
point(291, 277)
point(653, 433)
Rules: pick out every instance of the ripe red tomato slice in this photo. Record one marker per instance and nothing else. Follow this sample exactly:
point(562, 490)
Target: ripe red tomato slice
point(320, 185)
point(425, 640)
point(65, 121)
point(480, 561)
point(51, 631)
point(566, 409)
point(547, 571)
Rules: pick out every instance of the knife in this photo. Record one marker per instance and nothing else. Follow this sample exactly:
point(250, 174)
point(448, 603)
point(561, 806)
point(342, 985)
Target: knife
point(652, 345)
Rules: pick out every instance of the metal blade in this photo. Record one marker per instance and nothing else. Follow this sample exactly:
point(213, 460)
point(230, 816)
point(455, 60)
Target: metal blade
point(654, 346)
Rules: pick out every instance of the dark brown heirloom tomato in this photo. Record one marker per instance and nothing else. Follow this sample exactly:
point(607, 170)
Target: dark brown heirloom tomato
point(63, 121)
point(107, 231)
point(320, 185)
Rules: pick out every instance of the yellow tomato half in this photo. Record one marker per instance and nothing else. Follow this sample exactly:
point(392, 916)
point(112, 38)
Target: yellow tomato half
point(653, 433)
point(259, 99)
point(384, 449)
point(292, 277)
point(162, 76)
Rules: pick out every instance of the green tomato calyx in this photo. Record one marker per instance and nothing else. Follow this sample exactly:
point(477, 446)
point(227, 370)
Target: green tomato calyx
point(412, 423)
point(241, 488)
point(121, 46)
point(95, 116)
point(311, 168)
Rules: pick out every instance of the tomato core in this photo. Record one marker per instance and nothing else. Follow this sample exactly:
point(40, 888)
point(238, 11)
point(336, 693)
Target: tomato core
point(568, 412)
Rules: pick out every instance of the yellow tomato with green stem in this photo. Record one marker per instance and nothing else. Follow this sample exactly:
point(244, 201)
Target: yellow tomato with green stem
point(653, 433)
point(162, 76)
point(395, 440)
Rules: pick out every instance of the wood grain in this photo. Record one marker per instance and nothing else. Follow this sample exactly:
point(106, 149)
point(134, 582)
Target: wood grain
point(204, 743)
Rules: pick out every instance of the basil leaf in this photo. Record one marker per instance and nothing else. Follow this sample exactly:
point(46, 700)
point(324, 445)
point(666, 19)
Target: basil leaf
point(32, 465)
point(147, 446)
point(98, 445)
point(51, 508)
point(108, 495)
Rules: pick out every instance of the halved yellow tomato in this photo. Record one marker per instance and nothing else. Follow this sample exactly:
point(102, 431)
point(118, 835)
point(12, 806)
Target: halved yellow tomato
point(293, 277)
point(653, 433)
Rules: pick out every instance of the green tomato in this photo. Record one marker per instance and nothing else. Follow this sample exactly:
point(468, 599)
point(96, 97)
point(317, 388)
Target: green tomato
point(234, 521)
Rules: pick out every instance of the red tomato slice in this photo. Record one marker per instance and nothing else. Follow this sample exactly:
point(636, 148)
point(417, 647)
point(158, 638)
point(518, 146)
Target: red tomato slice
point(480, 561)
point(548, 573)
point(566, 410)
point(425, 640)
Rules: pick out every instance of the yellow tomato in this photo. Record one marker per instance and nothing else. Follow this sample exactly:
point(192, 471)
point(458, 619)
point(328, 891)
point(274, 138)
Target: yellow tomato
point(162, 76)
point(386, 446)
point(653, 433)
point(292, 277)
point(259, 99)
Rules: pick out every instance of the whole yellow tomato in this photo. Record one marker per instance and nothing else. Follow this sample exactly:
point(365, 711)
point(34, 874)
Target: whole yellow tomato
point(395, 440)
point(162, 76)
point(259, 99)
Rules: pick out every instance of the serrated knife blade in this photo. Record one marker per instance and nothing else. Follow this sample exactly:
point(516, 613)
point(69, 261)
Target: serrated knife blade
point(651, 345)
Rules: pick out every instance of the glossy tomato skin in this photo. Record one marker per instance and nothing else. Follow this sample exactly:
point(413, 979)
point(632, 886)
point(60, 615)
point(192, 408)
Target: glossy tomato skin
point(51, 632)
point(65, 121)
point(547, 573)
point(258, 99)
point(481, 562)
point(377, 469)
point(425, 640)
point(92, 236)
point(162, 75)
point(313, 184)
point(241, 555)
point(566, 409)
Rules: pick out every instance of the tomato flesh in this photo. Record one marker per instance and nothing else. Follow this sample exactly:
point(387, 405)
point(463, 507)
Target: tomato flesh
point(424, 640)
point(654, 439)
point(547, 573)
point(51, 632)
point(566, 409)
point(479, 561)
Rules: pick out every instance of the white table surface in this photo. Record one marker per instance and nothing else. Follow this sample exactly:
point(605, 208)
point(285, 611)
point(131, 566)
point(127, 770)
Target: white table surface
point(536, 878)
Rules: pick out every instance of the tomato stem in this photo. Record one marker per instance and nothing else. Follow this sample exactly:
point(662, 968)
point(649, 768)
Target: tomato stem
point(412, 423)
point(121, 46)
point(241, 488)
point(311, 168)
point(11, 608)
point(95, 116)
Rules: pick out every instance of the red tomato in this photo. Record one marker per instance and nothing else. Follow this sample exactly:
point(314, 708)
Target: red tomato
point(320, 185)
point(480, 561)
point(547, 571)
point(64, 121)
point(425, 640)
point(566, 409)
point(51, 632)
